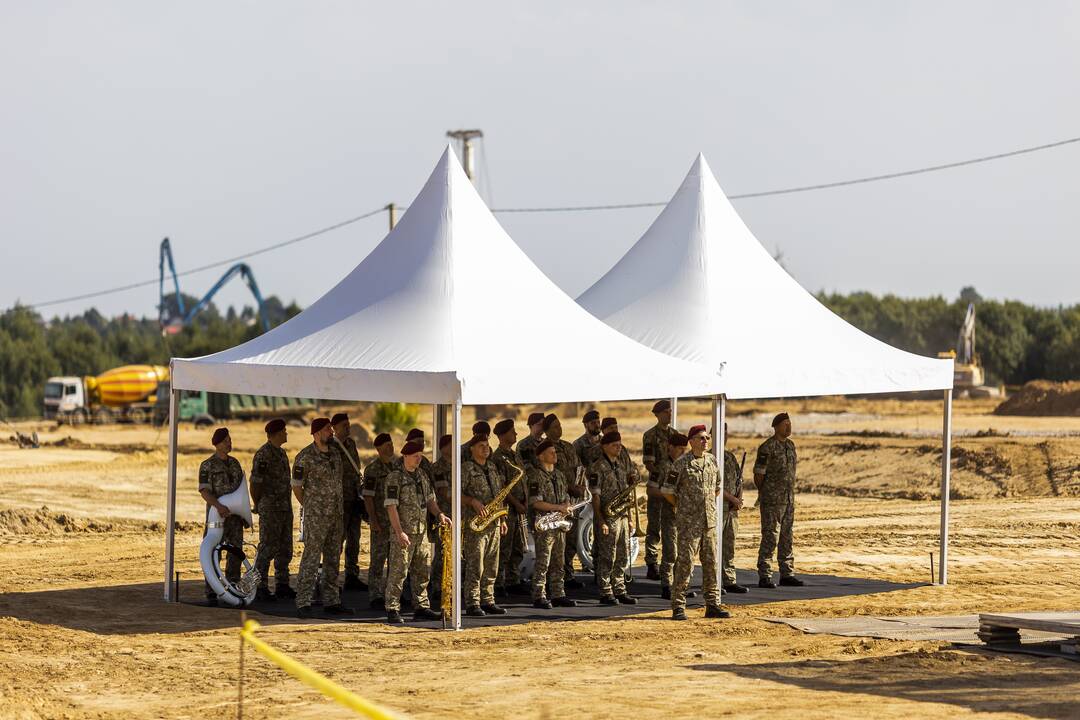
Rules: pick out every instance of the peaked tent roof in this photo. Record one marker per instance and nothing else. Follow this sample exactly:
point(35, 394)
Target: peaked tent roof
point(699, 286)
point(430, 316)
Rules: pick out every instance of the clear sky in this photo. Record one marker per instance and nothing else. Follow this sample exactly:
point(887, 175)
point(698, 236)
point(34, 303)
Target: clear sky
point(232, 125)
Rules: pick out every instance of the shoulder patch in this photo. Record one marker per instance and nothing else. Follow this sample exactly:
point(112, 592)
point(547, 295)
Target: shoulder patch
point(298, 471)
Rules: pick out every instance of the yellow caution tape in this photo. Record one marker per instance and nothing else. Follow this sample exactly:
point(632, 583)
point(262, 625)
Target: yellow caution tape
point(306, 675)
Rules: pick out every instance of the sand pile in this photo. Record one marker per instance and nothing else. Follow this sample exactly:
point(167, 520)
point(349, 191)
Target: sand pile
point(46, 522)
point(1043, 397)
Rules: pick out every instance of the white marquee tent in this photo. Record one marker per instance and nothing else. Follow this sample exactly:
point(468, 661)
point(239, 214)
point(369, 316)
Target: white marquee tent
point(430, 315)
point(699, 286)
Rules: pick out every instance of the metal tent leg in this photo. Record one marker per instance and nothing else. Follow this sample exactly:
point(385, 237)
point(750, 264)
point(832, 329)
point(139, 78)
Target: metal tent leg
point(675, 412)
point(946, 469)
point(456, 502)
point(170, 499)
point(719, 416)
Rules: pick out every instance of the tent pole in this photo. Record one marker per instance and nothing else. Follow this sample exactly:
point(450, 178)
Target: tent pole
point(675, 412)
point(456, 500)
point(719, 417)
point(170, 501)
point(946, 468)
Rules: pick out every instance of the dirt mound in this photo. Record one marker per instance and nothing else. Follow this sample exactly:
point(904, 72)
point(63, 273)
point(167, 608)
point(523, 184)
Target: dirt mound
point(46, 522)
point(1043, 397)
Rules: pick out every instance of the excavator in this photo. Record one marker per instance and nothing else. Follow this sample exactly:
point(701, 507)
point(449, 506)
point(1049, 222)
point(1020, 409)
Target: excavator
point(173, 324)
point(967, 371)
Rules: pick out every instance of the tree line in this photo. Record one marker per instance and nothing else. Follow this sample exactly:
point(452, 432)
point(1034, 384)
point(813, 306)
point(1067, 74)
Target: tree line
point(1015, 342)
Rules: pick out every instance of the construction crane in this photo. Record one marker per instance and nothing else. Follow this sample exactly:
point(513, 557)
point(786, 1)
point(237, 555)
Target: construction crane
point(967, 373)
point(173, 325)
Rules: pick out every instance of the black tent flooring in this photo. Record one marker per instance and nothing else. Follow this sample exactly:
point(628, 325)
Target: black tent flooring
point(647, 592)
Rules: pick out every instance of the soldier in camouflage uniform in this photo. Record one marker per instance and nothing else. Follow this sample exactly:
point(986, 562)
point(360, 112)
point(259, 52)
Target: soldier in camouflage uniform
point(588, 445)
point(547, 493)
point(676, 446)
point(526, 449)
point(653, 449)
point(481, 481)
point(568, 464)
point(317, 485)
point(272, 497)
point(774, 476)
point(352, 508)
point(442, 469)
point(609, 476)
point(512, 545)
point(409, 497)
point(692, 485)
point(733, 502)
point(480, 427)
point(374, 496)
point(220, 474)
point(416, 435)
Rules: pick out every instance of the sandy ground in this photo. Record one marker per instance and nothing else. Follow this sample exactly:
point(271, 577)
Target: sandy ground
point(84, 634)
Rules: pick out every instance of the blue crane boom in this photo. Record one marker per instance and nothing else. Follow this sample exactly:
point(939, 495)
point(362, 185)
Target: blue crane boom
point(185, 316)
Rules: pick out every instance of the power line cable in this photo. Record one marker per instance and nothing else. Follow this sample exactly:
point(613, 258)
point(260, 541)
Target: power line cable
point(218, 263)
point(579, 208)
point(807, 188)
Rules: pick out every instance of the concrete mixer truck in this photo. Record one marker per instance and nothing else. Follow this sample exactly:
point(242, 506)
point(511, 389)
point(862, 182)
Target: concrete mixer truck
point(126, 393)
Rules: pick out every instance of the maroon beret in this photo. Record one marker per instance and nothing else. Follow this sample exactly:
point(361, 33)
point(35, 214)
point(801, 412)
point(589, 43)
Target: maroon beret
point(661, 406)
point(219, 435)
point(590, 416)
point(445, 440)
point(780, 418)
point(382, 438)
point(411, 447)
point(695, 430)
point(608, 422)
point(275, 425)
point(476, 439)
point(318, 424)
point(415, 434)
point(338, 417)
point(550, 420)
point(481, 427)
point(504, 426)
point(535, 418)
point(611, 437)
point(678, 440)
point(544, 445)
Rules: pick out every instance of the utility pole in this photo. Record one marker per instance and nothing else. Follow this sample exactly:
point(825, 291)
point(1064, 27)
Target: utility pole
point(466, 137)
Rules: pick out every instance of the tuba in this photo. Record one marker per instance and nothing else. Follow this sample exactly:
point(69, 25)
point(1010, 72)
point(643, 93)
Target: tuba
point(495, 509)
point(237, 594)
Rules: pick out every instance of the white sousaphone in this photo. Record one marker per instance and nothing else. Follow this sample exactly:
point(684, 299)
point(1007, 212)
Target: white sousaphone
point(241, 593)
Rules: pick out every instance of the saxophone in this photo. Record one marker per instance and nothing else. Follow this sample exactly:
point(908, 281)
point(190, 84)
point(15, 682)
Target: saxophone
point(496, 510)
point(446, 582)
point(620, 504)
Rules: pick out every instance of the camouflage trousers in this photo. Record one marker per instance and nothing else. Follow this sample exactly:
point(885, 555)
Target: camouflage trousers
point(414, 561)
point(777, 520)
point(611, 549)
point(511, 552)
point(654, 531)
point(376, 577)
point(695, 541)
point(322, 542)
point(275, 543)
point(233, 535)
point(350, 514)
point(480, 552)
point(548, 568)
point(731, 531)
point(669, 538)
point(570, 549)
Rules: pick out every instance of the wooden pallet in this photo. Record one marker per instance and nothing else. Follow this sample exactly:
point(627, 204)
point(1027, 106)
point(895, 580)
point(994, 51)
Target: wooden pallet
point(996, 629)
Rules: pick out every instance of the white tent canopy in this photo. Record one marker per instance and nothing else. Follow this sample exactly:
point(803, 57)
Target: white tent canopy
point(699, 286)
point(432, 314)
